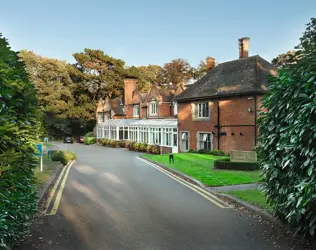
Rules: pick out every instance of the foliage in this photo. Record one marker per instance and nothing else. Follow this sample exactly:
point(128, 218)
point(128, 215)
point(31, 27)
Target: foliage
point(113, 143)
point(200, 71)
point(63, 97)
point(63, 156)
point(19, 131)
point(155, 149)
point(90, 134)
point(288, 138)
point(284, 59)
point(143, 147)
point(137, 146)
point(211, 152)
point(226, 164)
point(149, 148)
point(102, 74)
point(176, 72)
point(89, 140)
point(201, 167)
point(122, 144)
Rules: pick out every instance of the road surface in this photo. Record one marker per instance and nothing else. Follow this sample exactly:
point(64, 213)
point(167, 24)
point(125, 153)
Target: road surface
point(109, 199)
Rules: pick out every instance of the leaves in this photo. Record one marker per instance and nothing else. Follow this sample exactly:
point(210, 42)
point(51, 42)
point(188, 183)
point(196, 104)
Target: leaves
point(19, 131)
point(287, 137)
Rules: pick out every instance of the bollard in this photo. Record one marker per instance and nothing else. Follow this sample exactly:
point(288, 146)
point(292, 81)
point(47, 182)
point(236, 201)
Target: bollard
point(171, 159)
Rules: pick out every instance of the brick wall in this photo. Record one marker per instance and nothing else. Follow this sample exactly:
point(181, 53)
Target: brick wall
point(129, 111)
point(166, 150)
point(236, 120)
point(164, 110)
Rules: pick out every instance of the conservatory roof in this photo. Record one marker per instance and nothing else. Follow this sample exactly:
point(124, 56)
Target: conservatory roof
point(139, 123)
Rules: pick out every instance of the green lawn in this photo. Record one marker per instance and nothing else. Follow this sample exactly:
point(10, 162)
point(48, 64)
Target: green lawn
point(49, 169)
point(253, 197)
point(201, 167)
point(48, 144)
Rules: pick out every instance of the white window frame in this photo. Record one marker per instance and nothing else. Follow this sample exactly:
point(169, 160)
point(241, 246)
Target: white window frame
point(204, 140)
point(184, 140)
point(136, 110)
point(106, 133)
point(155, 135)
point(153, 108)
point(203, 113)
point(167, 137)
point(175, 108)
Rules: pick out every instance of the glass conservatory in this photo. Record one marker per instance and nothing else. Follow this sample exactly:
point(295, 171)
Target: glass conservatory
point(160, 132)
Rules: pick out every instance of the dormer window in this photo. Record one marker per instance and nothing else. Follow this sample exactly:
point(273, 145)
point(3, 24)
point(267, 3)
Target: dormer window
point(153, 108)
point(136, 111)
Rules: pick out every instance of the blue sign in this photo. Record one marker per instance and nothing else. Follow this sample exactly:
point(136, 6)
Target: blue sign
point(45, 139)
point(39, 149)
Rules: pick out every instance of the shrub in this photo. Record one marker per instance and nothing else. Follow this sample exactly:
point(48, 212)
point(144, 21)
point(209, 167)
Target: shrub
point(192, 151)
point(63, 156)
point(203, 151)
point(19, 131)
point(89, 140)
point(227, 164)
point(122, 144)
point(287, 142)
point(90, 134)
point(137, 146)
point(112, 143)
point(143, 147)
point(149, 148)
point(217, 153)
point(155, 149)
point(99, 141)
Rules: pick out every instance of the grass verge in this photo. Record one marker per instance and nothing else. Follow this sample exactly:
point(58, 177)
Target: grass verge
point(201, 168)
point(253, 197)
point(49, 169)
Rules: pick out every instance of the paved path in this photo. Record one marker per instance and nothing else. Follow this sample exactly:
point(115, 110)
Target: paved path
point(112, 200)
point(235, 187)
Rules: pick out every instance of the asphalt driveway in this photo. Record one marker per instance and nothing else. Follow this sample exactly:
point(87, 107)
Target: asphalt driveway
point(112, 200)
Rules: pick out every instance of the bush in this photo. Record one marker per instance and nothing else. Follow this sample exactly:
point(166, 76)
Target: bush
point(217, 153)
point(149, 148)
point(137, 146)
point(192, 151)
point(112, 143)
point(203, 151)
point(63, 156)
point(155, 149)
point(90, 134)
point(122, 144)
point(143, 147)
point(227, 164)
point(288, 142)
point(89, 140)
point(19, 131)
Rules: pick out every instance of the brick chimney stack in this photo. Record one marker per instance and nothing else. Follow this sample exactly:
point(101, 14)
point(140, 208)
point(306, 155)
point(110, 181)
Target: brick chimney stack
point(243, 47)
point(210, 63)
point(130, 85)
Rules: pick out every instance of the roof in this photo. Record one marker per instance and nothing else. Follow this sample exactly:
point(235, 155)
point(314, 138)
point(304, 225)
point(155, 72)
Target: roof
point(242, 76)
point(139, 123)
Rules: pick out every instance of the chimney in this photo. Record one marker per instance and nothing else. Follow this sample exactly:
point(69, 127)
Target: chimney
point(130, 85)
point(210, 63)
point(243, 47)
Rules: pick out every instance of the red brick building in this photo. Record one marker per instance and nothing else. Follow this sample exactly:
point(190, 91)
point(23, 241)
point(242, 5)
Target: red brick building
point(220, 110)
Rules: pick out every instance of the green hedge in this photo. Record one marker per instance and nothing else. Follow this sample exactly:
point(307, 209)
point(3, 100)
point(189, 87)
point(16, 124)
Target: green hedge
point(209, 152)
point(130, 145)
point(227, 164)
point(63, 156)
point(19, 132)
point(89, 140)
point(90, 134)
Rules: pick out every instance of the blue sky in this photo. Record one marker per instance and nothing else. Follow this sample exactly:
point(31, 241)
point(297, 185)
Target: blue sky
point(154, 32)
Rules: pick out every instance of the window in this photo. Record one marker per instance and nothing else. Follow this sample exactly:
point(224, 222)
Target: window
point(175, 137)
point(184, 141)
point(133, 134)
point(123, 133)
point(155, 136)
point(136, 110)
point(205, 141)
point(143, 134)
point(167, 136)
point(175, 108)
point(113, 133)
point(203, 110)
point(99, 132)
point(153, 109)
point(106, 133)
point(100, 117)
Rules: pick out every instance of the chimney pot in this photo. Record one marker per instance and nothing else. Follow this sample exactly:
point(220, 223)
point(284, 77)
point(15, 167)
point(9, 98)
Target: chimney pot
point(210, 63)
point(243, 47)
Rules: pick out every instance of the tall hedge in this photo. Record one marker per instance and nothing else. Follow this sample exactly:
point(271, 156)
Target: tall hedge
point(288, 138)
point(18, 133)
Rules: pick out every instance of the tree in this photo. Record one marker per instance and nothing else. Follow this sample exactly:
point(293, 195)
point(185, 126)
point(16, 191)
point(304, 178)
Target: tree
point(103, 75)
point(19, 131)
point(176, 72)
point(284, 59)
point(200, 71)
point(288, 138)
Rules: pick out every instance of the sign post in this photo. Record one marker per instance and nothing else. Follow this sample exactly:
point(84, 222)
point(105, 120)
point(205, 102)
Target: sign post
point(39, 148)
